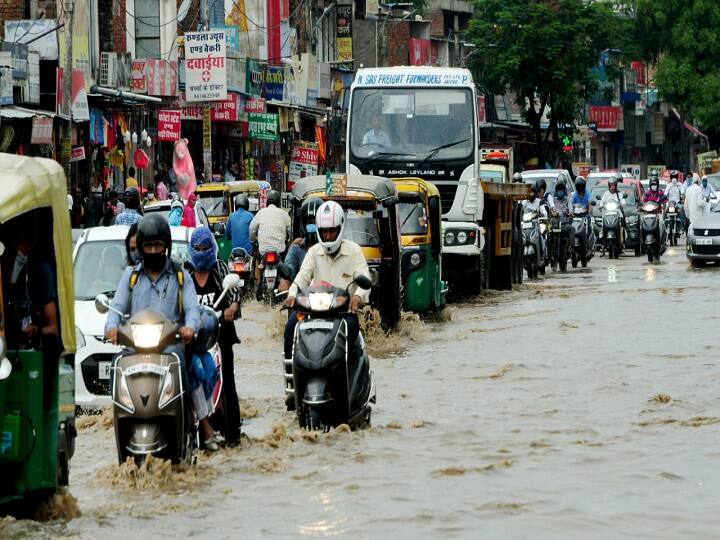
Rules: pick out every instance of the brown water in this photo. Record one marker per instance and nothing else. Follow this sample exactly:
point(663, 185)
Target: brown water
point(580, 406)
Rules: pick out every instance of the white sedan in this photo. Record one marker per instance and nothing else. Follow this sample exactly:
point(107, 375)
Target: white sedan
point(99, 260)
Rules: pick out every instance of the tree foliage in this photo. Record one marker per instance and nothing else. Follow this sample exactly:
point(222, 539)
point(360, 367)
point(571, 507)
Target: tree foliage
point(682, 35)
point(543, 51)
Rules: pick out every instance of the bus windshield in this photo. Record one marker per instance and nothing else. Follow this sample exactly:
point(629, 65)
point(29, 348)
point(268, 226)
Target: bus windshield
point(432, 124)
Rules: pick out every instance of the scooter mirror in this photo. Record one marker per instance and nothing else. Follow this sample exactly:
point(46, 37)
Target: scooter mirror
point(231, 281)
point(363, 282)
point(102, 303)
point(284, 271)
point(5, 369)
point(593, 203)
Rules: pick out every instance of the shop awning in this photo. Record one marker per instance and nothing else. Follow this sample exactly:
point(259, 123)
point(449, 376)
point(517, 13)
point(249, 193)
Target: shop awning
point(692, 129)
point(14, 111)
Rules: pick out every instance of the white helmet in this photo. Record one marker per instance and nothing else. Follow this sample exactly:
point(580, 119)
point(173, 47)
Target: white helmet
point(330, 215)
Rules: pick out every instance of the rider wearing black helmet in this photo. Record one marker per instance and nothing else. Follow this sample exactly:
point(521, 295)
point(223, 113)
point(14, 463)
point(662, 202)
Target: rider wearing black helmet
point(238, 225)
point(157, 283)
point(270, 227)
point(296, 253)
point(132, 213)
point(273, 197)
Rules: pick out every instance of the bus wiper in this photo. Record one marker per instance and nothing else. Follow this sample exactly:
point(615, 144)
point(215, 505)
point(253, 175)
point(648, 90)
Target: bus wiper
point(379, 155)
point(432, 153)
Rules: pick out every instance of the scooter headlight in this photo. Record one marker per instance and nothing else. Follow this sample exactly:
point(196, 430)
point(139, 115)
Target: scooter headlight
point(320, 301)
point(122, 395)
point(146, 336)
point(167, 391)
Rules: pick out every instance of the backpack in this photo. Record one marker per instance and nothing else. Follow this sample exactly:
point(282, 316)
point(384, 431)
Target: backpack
point(177, 268)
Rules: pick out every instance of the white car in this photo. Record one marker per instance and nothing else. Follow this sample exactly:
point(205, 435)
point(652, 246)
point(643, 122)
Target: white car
point(201, 218)
point(99, 260)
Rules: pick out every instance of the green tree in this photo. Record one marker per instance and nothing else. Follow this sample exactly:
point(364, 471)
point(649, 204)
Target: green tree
point(682, 37)
point(543, 51)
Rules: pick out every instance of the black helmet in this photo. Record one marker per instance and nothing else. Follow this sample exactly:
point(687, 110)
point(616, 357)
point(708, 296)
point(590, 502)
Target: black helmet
point(273, 197)
point(517, 177)
point(154, 226)
point(242, 201)
point(540, 184)
point(673, 174)
point(654, 174)
point(580, 184)
point(560, 185)
point(132, 199)
point(654, 180)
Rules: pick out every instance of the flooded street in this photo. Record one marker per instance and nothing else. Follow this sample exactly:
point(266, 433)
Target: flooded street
point(581, 405)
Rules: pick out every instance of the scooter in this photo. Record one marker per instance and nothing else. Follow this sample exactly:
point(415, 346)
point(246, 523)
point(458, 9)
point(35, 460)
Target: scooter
point(558, 243)
point(611, 229)
point(584, 248)
point(152, 412)
point(240, 263)
point(652, 231)
point(268, 276)
point(534, 258)
point(672, 222)
point(332, 379)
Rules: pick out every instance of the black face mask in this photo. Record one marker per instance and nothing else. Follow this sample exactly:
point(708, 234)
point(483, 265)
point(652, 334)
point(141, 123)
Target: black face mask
point(154, 261)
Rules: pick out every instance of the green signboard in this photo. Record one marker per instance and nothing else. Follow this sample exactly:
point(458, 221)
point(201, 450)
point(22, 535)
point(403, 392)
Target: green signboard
point(263, 126)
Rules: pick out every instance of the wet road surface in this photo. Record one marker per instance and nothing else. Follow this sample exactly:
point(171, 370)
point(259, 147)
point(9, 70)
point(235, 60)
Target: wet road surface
point(581, 405)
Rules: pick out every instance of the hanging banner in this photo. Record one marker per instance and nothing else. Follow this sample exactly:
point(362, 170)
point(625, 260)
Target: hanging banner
point(42, 130)
point(263, 126)
point(33, 81)
point(205, 69)
point(419, 51)
point(607, 118)
point(232, 35)
point(161, 77)
point(19, 55)
point(274, 80)
point(138, 77)
point(207, 143)
point(343, 36)
point(220, 111)
point(168, 128)
point(80, 108)
point(304, 158)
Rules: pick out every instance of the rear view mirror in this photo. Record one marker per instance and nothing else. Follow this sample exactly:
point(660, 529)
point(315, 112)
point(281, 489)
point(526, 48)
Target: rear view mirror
point(102, 304)
point(597, 197)
point(363, 282)
point(593, 203)
point(231, 281)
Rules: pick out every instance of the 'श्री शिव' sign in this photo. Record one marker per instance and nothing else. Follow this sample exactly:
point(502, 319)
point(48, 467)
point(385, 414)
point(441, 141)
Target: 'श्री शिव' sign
point(205, 68)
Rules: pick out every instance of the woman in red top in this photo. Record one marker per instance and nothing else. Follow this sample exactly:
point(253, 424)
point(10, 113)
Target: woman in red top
point(188, 219)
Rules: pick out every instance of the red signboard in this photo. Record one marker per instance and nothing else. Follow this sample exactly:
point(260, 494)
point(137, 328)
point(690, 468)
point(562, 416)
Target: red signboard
point(607, 118)
point(138, 77)
point(419, 51)
point(220, 111)
point(77, 153)
point(639, 68)
point(255, 105)
point(168, 128)
point(161, 77)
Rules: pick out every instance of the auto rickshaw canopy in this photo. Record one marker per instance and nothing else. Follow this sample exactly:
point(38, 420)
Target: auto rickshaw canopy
point(360, 185)
point(31, 183)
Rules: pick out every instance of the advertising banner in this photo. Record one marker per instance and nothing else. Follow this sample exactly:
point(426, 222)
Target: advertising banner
point(80, 108)
point(274, 79)
point(19, 55)
point(161, 77)
point(255, 105)
point(607, 118)
point(168, 128)
point(138, 77)
point(255, 78)
point(205, 69)
point(263, 126)
point(227, 110)
point(6, 80)
point(304, 158)
point(42, 130)
point(343, 36)
point(33, 81)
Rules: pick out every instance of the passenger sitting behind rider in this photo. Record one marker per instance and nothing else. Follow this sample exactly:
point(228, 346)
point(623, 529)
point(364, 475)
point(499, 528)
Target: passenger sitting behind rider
point(334, 260)
point(562, 207)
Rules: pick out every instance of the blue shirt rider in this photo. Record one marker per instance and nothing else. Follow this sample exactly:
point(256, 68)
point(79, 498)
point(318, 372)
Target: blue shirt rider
point(238, 225)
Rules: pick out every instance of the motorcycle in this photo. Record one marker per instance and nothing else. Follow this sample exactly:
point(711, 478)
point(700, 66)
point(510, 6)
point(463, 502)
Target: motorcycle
point(152, 412)
point(240, 263)
point(268, 276)
point(534, 256)
point(672, 222)
point(652, 231)
point(584, 248)
point(611, 229)
point(558, 243)
point(332, 379)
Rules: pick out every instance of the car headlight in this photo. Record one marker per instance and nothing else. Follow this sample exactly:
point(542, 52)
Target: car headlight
point(79, 338)
point(462, 237)
point(122, 395)
point(167, 391)
point(449, 238)
point(146, 336)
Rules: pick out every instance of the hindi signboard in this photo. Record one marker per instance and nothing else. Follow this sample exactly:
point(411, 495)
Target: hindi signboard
point(205, 68)
point(168, 128)
point(304, 158)
point(262, 126)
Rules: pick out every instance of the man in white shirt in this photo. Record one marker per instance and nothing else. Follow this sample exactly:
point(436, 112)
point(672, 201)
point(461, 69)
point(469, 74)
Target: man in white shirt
point(376, 136)
point(270, 228)
point(694, 202)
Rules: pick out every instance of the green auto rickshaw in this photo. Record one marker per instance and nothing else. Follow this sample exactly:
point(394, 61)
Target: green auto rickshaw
point(421, 229)
point(215, 199)
point(372, 221)
point(37, 333)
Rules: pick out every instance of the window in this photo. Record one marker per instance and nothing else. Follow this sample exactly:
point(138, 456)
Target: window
point(147, 28)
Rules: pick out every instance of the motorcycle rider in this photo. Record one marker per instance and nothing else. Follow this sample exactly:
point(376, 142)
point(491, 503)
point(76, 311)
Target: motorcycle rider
point(562, 207)
point(238, 224)
point(536, 204)
point(157, 283)
point(208, 272)
point(655, 194)
point(270, 227)
point(335, 260)
point(298, 250)
point(708, 191)
point(612, 194)
point(675, 192)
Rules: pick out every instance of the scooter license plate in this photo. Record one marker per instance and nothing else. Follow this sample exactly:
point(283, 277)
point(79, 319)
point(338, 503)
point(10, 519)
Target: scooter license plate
point(703, 241)
point(104, 370)
point(271, 273)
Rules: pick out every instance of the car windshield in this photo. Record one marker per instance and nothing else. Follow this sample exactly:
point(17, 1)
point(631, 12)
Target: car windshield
point(714, 181)
point(361, 228)
point(422, 123)
point(599, 191)
point(215, 206)
point(550, 180)
point(99, 265)
point(413, 219)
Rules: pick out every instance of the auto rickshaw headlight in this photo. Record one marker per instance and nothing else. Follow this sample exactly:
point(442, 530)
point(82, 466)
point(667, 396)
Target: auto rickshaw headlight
point(462, 237)
point(415, 260)
point(449, 238)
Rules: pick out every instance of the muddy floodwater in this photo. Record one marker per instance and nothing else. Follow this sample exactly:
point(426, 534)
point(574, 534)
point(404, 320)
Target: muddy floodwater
point(583, 405)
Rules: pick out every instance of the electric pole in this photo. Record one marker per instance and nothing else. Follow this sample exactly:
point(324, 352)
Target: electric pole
point(207, 122)
point(66, 140)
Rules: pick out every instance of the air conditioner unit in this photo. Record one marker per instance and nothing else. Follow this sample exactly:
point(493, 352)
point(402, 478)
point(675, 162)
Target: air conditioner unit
point(108, 69)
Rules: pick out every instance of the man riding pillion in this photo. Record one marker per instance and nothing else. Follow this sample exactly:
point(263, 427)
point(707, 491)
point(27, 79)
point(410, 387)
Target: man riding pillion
point(562, 207)
point(612, 194)
point(334, 260)
point(158, 284)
